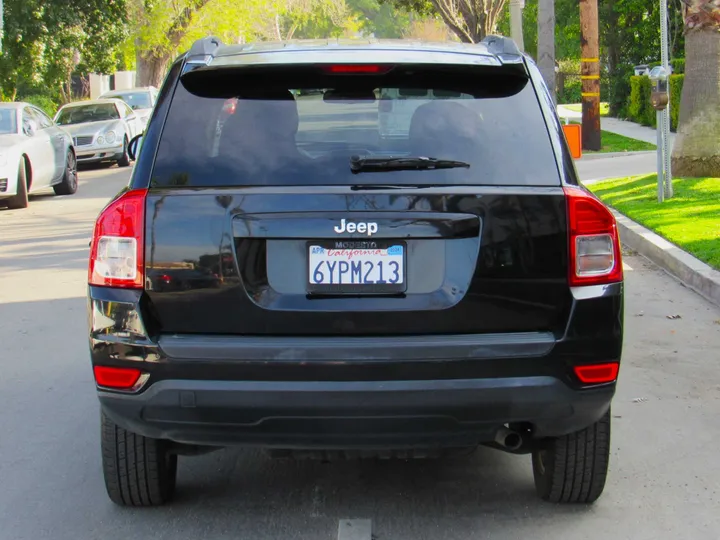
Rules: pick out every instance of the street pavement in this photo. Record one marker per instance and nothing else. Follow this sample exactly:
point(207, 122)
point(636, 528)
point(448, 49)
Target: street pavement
point(592, 167)
point(664, 479)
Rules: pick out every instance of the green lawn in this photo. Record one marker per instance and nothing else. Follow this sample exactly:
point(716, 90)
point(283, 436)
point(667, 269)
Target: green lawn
point(612, 142)
point(691, 219)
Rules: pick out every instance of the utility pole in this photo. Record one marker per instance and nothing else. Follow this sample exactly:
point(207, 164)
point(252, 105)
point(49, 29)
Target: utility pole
point(590, 74)
point(2, 23)
point(546, 43)
point(516, 22)
point(665, 58)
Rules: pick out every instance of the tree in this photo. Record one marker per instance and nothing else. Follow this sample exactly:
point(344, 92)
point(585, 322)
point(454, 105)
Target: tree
point(546, 42)
point(306, 19)
point(697, 147)
point(382, 20)
point(162, 29)
point(44, 41)
point(469, 20)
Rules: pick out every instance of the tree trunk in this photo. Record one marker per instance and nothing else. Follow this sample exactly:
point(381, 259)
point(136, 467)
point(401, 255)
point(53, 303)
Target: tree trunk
point(697, 145)
point(151, 68)
point(470, 20)
point(546, 43)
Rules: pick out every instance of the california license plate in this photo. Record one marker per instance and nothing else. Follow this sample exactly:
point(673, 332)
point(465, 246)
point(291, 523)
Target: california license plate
point(356, 267)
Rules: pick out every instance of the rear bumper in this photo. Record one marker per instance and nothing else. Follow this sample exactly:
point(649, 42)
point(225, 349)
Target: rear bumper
point(344, 415)
point(386, 392)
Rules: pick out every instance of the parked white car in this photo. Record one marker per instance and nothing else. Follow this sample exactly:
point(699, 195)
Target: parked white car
point(141, 100)
point(35, 154)
point(101, 129)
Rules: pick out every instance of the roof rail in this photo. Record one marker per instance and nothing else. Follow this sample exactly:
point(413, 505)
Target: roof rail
point(203, 50)
point(504, 48)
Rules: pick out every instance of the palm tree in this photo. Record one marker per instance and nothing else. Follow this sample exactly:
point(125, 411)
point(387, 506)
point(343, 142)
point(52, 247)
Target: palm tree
point(697, 146)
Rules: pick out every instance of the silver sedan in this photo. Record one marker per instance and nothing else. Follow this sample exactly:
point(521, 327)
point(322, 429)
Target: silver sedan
point(101, 129)
point(35, 154)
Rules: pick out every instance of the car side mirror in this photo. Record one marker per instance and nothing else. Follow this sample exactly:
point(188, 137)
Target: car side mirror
point(134, 146)
point(29, 129)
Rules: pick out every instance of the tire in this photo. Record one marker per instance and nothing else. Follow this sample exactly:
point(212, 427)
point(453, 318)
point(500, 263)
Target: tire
point(124, 161)
point(138, 471)
point(20, 199)
point(573, 468)
point(69, 184)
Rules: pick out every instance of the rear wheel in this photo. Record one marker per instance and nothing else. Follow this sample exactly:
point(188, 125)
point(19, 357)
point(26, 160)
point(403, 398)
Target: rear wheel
point(68, 186)
point(124, 161)
point(138, 471)
point(20, 200)
point(573, 468)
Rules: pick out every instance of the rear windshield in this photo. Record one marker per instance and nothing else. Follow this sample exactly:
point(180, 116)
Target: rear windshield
point(289, 131)
point(136, 100)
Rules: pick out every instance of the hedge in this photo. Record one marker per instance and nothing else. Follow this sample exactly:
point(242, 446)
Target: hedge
point(42, 102)
point(639, 108)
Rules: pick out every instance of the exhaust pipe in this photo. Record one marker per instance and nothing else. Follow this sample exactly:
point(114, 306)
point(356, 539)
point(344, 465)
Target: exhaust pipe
point(508, 438)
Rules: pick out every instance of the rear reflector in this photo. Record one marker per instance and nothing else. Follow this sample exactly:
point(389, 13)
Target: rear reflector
point(595, 256)
point(116, 250)
point(597, 373)
point(115, 377)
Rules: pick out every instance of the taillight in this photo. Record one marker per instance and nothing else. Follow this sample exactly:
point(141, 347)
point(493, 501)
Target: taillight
point(595, 257)
point(115, 377)
point(116, 250)
point(597, 373)
point(230, 106)
point(349, 69)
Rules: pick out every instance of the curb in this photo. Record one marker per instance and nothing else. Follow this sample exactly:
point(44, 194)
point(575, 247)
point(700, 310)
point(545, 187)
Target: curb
point(694, 273)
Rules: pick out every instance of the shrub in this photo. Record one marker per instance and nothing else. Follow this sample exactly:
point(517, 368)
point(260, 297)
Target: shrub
point(639, 108)
point(571, 91)
point(618, 90)
point(676, 86)
point(42, 102)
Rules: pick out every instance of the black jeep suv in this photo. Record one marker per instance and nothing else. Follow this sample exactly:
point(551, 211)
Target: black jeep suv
point(371, 247)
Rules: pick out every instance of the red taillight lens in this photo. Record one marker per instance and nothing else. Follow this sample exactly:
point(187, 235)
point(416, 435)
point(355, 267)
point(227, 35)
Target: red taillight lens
point(597, 373)
point(230, 106)
point(357, 68)
point(595, 257)
point(116, 250)
point(115, 377)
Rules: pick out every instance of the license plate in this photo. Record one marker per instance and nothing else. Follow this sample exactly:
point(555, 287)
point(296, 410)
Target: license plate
point(356, 267)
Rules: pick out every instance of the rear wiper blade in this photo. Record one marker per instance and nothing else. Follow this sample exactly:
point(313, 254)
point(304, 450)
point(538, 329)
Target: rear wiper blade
point(370, 187)
point(359, 164)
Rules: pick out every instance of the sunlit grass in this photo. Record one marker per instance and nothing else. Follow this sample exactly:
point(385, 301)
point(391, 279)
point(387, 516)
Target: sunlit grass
point(612, 142)
point(577, 107)
point(691, 219)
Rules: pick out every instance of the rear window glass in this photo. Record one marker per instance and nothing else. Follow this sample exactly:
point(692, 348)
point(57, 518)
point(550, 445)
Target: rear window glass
point(292, 133)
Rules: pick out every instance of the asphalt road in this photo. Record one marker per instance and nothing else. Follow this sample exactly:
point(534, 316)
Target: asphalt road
point(664, 479)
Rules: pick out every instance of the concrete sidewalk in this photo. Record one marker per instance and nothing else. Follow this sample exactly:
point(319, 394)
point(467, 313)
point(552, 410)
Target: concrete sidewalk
point(632, 130)
point(621, 127)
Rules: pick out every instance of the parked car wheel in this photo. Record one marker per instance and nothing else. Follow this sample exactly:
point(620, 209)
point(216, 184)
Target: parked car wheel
point(573, 468)
point(124, 161)
point(69, 184)
point(138, 471)
point(20, 200)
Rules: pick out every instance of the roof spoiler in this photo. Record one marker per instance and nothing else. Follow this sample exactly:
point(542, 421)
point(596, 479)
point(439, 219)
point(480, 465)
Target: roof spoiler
point(202, 52)
point(504, 48)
